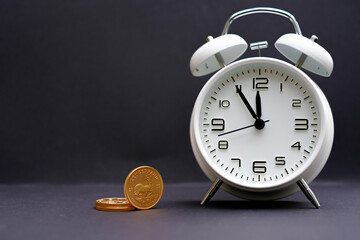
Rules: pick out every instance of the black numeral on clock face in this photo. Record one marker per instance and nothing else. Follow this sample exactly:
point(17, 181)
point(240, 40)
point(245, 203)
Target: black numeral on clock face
point(296, 145)
point(280, 160)
point(218, 124)
point(296, 103)
point(260, 83)
point(223, 144)
point(258, 167)
point(237, 159)
point(301, 124)
point(224, 103)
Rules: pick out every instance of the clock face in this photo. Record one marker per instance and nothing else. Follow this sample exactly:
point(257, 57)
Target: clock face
point(259, 123)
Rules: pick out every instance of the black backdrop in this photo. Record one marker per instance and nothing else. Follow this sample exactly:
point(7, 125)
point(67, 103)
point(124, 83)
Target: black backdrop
point(90, 89)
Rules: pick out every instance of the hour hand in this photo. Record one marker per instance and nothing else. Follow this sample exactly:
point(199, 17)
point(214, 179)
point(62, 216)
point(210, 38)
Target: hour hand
point(258, 105)
point(243, 98)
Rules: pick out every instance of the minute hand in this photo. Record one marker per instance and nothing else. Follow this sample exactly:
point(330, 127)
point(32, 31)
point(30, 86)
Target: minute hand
point(252, 125)
point(242, 96)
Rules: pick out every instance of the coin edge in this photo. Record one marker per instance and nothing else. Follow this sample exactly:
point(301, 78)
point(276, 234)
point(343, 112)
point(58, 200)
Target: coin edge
point(115, 209)
point(112, 205)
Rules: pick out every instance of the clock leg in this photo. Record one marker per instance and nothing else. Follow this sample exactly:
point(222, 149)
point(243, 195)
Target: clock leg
point(212, 190)
point(308, 193)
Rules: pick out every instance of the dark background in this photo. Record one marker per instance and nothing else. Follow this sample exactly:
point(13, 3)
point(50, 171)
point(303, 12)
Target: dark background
point(91, 89)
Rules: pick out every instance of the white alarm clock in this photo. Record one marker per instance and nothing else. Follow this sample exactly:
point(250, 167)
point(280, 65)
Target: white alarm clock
point(261, 129)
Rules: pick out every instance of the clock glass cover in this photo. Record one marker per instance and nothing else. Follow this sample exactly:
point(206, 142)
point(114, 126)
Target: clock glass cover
point(259, 123)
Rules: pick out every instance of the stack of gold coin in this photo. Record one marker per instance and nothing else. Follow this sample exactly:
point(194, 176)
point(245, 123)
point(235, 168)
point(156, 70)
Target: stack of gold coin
point(143, 189)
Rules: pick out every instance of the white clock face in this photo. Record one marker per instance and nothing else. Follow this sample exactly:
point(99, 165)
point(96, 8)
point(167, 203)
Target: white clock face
point(259, 124)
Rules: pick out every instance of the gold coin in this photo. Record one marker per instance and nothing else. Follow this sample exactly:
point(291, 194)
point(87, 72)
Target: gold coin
point(115, 209)
point(143, 187)
point(112, 202)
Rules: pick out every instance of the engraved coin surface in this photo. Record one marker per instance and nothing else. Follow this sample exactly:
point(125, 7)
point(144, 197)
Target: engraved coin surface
point(113, 204)
point(144, 187)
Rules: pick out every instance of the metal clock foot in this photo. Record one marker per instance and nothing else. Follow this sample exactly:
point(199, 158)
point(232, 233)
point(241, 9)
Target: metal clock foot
point(212, 190)
point(308, 193)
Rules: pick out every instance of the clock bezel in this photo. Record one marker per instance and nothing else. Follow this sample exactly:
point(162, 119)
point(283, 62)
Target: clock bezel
point(312, 166)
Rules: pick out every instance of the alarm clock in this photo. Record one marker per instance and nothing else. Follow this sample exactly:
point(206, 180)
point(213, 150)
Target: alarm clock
point(261, 128)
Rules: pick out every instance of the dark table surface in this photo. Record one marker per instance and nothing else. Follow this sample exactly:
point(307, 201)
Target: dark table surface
point(46, 211)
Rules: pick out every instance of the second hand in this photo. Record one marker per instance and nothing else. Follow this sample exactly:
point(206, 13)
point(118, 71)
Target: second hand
point(222, 134)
